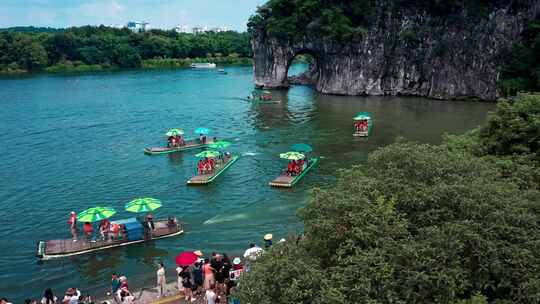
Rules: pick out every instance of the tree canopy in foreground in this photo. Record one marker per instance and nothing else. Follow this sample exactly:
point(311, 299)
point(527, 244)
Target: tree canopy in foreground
point(417, 223)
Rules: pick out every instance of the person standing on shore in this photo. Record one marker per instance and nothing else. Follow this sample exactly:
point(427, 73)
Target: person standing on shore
point(48, 297)
point(208, 272)
point(72, 222)
point(161, 282)
point(210, 295)
point(115, 285)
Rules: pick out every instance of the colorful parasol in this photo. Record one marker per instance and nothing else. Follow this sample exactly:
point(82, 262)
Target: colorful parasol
point(145, 204)
point(202, 131)
point(208, 153)
point(219, 144)
point(292, 155)
point(174, 132)
point(186, 258)
point(95, 214)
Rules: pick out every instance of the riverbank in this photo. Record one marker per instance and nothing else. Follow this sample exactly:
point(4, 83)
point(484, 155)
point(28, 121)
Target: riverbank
point(68, 66)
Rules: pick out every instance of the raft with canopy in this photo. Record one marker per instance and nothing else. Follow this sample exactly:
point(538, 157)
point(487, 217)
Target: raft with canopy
point(129, 231)
point(262, 97)
point(297, 155)
point(363, 124)
point(185, 145)
point(212, 163)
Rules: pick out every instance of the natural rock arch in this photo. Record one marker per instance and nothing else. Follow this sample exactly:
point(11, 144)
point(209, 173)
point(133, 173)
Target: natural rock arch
point(398, 56)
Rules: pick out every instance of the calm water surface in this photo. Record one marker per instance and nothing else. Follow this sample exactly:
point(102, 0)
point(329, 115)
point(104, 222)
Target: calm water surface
point(76, 141)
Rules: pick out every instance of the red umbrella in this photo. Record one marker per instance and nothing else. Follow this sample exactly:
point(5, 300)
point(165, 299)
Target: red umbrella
point(186, 258)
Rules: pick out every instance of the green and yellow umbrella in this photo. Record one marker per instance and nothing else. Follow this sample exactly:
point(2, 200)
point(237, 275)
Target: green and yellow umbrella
point(174, 132)
point(292, 155)
point(362, 116)
point(208, 153)
point(145, 204)
point(95, 214)
point(219, 144)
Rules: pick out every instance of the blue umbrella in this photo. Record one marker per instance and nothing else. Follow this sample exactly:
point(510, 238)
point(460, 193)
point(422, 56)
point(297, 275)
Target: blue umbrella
point(301, 148)
point(202, 131)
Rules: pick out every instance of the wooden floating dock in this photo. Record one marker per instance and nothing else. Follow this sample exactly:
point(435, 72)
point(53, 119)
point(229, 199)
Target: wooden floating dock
point(287, 181)
point(189, 145)
point(202, 179)
point(67, 247)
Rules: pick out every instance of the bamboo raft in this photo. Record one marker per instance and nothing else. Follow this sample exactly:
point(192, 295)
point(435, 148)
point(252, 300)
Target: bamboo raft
point(201, 179)
point(67, 247)
point(188, 145)
point(287, 181)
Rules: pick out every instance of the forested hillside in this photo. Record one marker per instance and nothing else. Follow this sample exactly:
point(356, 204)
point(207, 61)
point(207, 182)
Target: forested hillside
point(419, 223)
point(106, 47)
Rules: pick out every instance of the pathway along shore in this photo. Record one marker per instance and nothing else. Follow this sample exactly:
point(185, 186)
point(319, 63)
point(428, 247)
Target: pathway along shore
point(149, 295)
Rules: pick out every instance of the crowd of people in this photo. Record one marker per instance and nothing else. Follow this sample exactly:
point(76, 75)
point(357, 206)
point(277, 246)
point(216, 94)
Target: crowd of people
point(71, 296)
point(175, 141)
point(106, 231)
point(207, 165)
point(295, 167)
point(209, 279)
point(361, 126)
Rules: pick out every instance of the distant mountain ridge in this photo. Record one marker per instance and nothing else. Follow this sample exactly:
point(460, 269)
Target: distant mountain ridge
point(32, 29)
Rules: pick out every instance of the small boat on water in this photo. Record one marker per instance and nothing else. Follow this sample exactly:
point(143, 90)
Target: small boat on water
point(262, 97)
point(298, 167)
point(133, 232)
point(188, 145)
point(363, 124)
point(222, 71)
point(203, 65)
point(176, 142)
point(207, 177)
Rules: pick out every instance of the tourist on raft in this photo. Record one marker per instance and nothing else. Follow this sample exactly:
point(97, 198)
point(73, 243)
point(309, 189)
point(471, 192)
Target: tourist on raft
point(202, 138)
point(361, 126)
point(206, 165)
point(72, 222)
point(88, 230)
point(104, 228)
point(295, 167)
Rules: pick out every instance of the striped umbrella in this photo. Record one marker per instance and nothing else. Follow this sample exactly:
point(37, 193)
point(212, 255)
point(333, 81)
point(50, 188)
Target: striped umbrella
point(292, 155)
point(202, 131)
point(145, 204)
point(95, 214)
point(219, 144)
point(174, 132)
point(208, 153)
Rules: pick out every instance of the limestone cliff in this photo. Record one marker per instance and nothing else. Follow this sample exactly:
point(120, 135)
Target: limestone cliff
point(405, 53)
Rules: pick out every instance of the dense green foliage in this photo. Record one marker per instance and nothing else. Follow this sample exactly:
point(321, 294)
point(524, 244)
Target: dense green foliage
point(522, 69)
point(346, 20)
point(105, 47)
point(419, 224)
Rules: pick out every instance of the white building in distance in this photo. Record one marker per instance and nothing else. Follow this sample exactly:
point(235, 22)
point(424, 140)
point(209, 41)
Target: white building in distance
point(200, 29)
point(181, 29)
point(219, 29)
point(137, 26)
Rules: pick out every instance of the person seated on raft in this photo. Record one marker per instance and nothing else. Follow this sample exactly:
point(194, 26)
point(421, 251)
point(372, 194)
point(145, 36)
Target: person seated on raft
point(200, 166)
point(301, 164)
point(202, 139)
point(290, 168)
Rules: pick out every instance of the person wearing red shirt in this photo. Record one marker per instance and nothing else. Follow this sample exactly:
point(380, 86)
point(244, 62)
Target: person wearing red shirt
point(72, 222)
point(88, 230)
point(104, 228)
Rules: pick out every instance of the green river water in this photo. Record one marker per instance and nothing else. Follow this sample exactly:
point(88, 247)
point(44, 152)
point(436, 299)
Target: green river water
point(70, 142)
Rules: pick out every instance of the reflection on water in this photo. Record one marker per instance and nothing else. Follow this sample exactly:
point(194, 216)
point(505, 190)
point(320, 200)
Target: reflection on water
point(79, 143)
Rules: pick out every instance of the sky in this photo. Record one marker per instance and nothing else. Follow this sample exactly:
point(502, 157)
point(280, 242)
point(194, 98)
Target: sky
point(164, 14)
